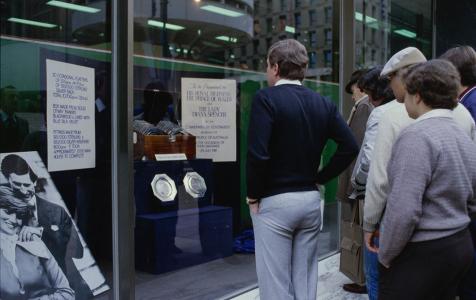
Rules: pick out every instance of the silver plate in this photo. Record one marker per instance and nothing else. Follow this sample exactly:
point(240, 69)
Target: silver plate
point(194, 184)
point(164, 188)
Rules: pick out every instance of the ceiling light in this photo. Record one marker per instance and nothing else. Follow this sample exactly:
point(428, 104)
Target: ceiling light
point(373, 23)
point(290, 29)
point(167, 25)
point(227, 38)
point(221, 11)
point(406, 33)
point(32, 23)
point(72, 6)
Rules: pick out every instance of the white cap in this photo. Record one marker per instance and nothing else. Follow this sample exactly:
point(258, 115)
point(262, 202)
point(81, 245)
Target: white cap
point(403, 58)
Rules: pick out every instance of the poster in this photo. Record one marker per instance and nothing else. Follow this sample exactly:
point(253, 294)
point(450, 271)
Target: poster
point(209, 113)
point(70, 116)
point(47, 243)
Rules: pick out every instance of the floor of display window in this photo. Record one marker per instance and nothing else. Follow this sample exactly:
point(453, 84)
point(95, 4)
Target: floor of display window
point(221, 278)
point(329, 286)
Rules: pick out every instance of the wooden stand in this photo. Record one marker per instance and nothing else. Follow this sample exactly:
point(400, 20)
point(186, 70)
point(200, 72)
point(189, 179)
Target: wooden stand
point(149, 145)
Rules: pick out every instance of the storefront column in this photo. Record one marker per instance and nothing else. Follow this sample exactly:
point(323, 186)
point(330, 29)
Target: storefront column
point(346, 51)
point(122, 172)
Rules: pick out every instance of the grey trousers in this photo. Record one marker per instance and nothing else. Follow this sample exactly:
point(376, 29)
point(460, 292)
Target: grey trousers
point(286, 229)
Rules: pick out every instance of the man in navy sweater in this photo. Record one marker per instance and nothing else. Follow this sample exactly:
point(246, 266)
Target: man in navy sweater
point(289, 127)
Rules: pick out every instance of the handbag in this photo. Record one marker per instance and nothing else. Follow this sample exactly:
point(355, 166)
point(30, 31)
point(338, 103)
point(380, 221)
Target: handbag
point(352, 256)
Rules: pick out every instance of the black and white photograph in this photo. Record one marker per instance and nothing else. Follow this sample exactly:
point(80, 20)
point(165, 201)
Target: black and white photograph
point(43, 255)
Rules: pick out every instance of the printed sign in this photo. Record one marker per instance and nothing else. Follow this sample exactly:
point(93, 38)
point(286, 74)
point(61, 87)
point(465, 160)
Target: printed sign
point(70, 116)
point(209, 113)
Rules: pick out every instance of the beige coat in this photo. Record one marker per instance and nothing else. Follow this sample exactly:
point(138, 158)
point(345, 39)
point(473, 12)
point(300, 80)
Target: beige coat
point(357, 122)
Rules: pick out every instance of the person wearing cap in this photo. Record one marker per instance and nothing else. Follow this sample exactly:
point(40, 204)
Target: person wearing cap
point(357, 120)
point(425, 245)
point(464, 59)
point(393, 121)
point(380, 94)
point(27, 268)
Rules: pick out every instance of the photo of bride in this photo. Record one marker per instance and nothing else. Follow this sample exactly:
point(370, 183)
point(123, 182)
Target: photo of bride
point(42, 253)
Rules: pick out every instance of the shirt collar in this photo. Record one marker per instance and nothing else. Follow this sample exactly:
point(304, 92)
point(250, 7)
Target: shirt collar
point(436, 113)
point(287, 81)
point(360, 100)
point(466, 92)
point(33, 201)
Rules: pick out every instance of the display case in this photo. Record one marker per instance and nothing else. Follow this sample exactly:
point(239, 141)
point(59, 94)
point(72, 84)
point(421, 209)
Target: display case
point(177, 223)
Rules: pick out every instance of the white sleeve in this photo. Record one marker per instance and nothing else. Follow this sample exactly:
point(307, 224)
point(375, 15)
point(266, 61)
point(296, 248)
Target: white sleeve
point(361, 168)
point(377, 184)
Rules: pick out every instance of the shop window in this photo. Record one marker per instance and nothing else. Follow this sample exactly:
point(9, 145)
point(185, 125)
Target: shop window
point(243, 50)
point(313, 39)
point(256, 46)
point(284, 5)
point(328, 35)
point(328, 14)
point(327, 58)
point(268, 43)
point(312, 17)
point(297, 21)
point(312, 60)
point(269, 25)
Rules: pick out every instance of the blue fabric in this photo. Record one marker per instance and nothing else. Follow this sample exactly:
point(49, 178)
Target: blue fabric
point(371, 271)
point(468, 285)
point(469, 101)
point(245, 243)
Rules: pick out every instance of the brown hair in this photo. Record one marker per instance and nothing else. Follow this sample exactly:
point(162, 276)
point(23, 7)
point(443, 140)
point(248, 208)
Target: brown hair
point(354, 78)
point(436, 81)
point(291, 57)
point(464, 59)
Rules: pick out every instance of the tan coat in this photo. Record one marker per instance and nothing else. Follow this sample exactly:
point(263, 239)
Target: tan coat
point(357, 123)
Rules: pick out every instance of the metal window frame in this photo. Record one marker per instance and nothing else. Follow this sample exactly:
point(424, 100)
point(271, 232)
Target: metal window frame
point(346, 65)
point(123, 213)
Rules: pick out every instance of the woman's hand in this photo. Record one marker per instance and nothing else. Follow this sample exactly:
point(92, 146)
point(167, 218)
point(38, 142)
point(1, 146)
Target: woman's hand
point(369, 240)
point(254, 208)
point(28, 233)
point(253, 204)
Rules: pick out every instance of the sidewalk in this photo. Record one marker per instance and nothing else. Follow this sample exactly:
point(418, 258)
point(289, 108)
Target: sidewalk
point(329, 284)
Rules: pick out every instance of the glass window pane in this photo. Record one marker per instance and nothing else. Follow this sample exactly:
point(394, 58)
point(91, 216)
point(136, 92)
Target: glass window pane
point(55, 127)
point(183, 49)
point(385, 28)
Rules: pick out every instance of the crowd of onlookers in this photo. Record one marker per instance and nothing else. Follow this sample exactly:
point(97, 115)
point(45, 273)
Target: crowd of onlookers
point(412, 188)
point(407, 163)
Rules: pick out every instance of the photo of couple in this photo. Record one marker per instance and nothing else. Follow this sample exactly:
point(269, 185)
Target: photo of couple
point(42, 254)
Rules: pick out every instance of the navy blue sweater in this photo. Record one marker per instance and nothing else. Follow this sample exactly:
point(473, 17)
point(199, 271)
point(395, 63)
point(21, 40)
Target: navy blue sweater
point(289, 127)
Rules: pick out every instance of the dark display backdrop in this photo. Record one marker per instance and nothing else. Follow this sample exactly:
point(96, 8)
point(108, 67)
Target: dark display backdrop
point(455, 24)
point(226, 175)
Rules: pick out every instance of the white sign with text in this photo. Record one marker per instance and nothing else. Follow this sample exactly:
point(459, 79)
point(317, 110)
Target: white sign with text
point(70, 116)
point(209, 113)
